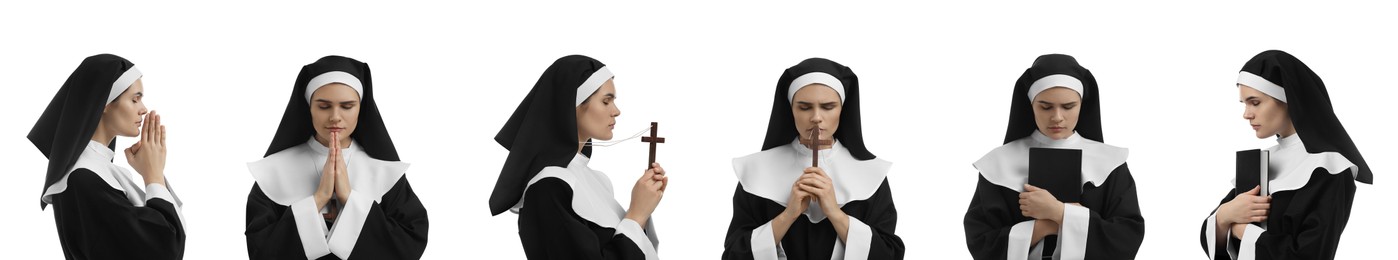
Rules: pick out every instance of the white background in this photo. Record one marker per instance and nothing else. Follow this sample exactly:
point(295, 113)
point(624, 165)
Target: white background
point(936, 82)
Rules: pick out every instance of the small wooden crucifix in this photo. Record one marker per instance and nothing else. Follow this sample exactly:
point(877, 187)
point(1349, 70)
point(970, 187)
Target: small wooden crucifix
point(652, 139)
point(814, 144)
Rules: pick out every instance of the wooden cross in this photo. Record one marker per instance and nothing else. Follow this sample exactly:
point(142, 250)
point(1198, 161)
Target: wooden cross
point(814, 143)
point(652, 139)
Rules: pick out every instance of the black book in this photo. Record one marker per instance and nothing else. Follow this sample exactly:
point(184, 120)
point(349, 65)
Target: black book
point(1057, 170)
point(1252, 173)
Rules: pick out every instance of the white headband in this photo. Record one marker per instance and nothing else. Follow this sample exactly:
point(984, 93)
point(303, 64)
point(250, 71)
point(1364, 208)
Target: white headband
point(593, 83)
point(1055, 81)
point(122, 83)
point(815, 78)
point(1261, 84)
point(334, 77)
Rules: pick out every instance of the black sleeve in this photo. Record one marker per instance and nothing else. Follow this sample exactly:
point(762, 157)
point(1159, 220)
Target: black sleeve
point(396, 227)
point(1206, 232)
point(1116, 228)
point(1311, 228)
point(988, 221)
point(96, 221)
point(883, 220)
point(746, 217)
point(550, 229)
point(271, 229)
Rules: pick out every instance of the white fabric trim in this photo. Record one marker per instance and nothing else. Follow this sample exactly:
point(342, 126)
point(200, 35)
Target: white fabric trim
point(815, 78)
point(594, 82)
point(294, 173)
point(1211, 233)
point(1291, 165)
point(1261, 84)
point(769, 174)
point(594, 201)
point(1019, 238)
point(349, 223)
point(1247, 249)
point(1072, 239)
point(310, 225)
point(1055, 81)
point(763, 244)
point(1008, 165)
point(632, 230)
point(334, 77)
point(122, 83)
point(859, 238)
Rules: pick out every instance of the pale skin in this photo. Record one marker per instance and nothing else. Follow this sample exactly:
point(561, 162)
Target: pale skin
point(334, 115)
point(814, 106)
point(1268, 117)
point(1056, 113)
point(596, 118)
point(123, 117)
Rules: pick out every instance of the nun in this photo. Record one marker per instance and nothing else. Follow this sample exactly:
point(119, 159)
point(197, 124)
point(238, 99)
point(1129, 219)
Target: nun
point(566, 209)
point(331, 185)
point(100, 212)
point(1055, 104)
point(784, 207)
point(1312, 169)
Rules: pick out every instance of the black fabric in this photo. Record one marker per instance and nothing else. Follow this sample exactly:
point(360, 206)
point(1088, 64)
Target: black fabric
point(296, 126)
point(1305, 223)
point(1022, 108)
point(70, 119)
point(549, 228)
point(543, 130)
point(95, 221)
point(395, 228)
point(1115, 225)
point(1308, 104)
point(806, 240)
point(781, 128)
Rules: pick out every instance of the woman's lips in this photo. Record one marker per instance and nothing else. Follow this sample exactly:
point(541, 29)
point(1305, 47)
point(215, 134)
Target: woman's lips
point(1256, 127)
point(335, 129)
point(1056, 129)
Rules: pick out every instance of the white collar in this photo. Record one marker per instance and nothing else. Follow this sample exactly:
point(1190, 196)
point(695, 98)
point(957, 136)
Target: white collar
point(769, 174)
point(593, 197)
point(1290, 165)
point(1008, 165)
point(294, 173)
point(97, 158)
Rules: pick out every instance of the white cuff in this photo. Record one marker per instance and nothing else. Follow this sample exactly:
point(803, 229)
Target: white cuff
point(1247, 250)
point(763, 243)
point(633, 231)
point(156, 190)
point(1211, 234)
point(1072, 234)
point(858, 239)
point(349, 223)
point(311, 226)
point(1020, 236)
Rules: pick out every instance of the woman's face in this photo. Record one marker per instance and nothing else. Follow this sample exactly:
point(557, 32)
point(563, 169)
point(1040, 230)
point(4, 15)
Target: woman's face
point(124, 114)
point(334, 109)
point(817, 106)
point(1267, 115)
point(1056, 112)
point(597, 115)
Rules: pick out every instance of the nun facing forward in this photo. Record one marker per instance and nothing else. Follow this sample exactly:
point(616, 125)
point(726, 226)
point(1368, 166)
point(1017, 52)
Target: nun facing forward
point(331, 185)
point(1312, 169)
point(566, 209)
point(784, 207)
point(1055, 104)
point(100, 212)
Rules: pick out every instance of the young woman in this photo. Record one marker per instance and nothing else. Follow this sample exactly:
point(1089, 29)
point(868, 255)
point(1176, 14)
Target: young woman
point(566, 209)
point(331, 185)
point(1313, 168)
point(785, 207)
point(100, 212)
point(1055, 104)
